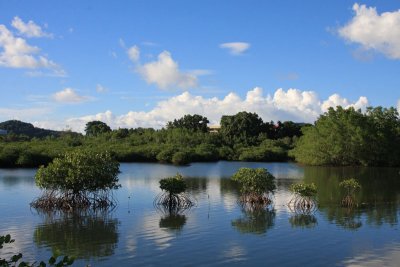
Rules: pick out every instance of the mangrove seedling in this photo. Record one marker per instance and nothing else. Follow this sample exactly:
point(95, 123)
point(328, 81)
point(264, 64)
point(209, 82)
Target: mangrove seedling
point(350, 186)
point(173, 197)
point(304, 198)
point(256, 186)
point(16, 260)
point(78, 179)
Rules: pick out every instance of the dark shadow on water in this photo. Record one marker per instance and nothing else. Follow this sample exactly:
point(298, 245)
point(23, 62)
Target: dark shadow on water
point(377, 200)
point(303, 221)
point(256, 221)
point(84, 235)
point(173, 222)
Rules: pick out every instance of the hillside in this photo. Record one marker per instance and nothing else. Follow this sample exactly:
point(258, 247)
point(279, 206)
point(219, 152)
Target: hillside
point(24, 128)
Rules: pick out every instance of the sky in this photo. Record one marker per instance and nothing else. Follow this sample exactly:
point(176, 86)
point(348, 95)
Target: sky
point(143, 63)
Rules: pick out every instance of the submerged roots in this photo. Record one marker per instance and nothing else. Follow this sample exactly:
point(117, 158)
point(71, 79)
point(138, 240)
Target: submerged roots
point(68, 201)
point(304, 205)
point(253, 201)
point(173, 203)
point(349, 202)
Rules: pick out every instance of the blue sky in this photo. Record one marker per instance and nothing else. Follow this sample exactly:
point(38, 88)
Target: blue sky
point(142, 63)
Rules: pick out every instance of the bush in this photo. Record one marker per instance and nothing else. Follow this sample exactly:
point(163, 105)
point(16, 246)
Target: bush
point(255, 185)
point(351, 186)
point(78, 178)
point(303, 200)
point(174, 199)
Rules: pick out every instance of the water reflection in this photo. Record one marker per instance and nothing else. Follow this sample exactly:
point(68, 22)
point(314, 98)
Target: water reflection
point(378, 197)
point(303, 221)
point(81, 235)
point(173, 222)
point(256, 221)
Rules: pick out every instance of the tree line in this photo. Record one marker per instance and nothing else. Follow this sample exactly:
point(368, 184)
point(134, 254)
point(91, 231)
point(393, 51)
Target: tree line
point(338, 137)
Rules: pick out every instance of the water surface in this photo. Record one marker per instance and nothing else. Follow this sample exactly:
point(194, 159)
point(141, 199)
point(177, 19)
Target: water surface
point(217, 231)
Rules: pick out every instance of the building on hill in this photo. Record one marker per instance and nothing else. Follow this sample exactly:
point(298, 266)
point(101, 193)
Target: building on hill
point(214, 128)
point(3, 132)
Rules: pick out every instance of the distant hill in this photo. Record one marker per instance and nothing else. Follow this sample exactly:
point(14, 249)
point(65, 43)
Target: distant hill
point(19, 127)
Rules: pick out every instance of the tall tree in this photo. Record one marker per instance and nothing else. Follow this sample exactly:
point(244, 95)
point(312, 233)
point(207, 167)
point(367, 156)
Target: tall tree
point(244, 127)
point(191, 122)
point(94, 128)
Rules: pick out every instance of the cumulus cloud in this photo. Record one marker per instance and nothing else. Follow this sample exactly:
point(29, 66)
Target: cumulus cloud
point(101, 89)
point(134, 53)
point(17, 53)
point(165, 73)
point(69, 96)
point(29, 29)
point(373, 31)
point(293, 104)
point(235, 48)
point(24, 114)
point(398, 105)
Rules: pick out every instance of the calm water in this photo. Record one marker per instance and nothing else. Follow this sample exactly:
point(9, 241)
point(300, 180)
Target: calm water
point(217, 231)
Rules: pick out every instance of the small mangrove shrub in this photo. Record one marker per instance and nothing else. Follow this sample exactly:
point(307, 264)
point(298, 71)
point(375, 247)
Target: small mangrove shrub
point(78, 179)
point(351, 186)
point(256, 186)
point(173, 197)
point(16, 260)
point(304, 198)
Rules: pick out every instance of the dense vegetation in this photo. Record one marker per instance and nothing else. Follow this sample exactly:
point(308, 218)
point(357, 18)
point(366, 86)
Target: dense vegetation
point(339, 137)
point(351, 137)
point(182, 141)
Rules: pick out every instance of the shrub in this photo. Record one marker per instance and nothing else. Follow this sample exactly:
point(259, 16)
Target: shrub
point(77, 179)
point(351, 186)
point(303, 200)
point(255, 185)
point(173, 199)
point(63, 261)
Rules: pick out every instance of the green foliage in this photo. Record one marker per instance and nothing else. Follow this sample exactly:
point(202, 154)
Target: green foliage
point(22, 128)
point(191, 122)
point(255, 181)
point(244, 127)
point(304, 190)
point(349, 137)
point(79, 171)
point(173, 185)
point(77, 180)
point(16, 260)
point(95, 128)
point(351, 185)
point(181, 158)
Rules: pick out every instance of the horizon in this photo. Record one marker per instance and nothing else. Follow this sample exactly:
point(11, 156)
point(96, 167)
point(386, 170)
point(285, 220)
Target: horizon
point(142, 64)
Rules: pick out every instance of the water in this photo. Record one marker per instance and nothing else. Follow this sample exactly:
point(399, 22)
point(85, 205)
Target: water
point(217, 232)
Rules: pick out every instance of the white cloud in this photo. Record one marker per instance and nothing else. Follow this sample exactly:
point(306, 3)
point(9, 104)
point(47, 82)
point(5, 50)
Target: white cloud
point(336, 100)
point(293, 104)
point(373, 31)
point(235, 48)
point(101, 89)
point(134, 53)
point(165, 73)
point(24, 114)
point(29, 29)
point(398, 105)
point(68, 95)
point(17, 53)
